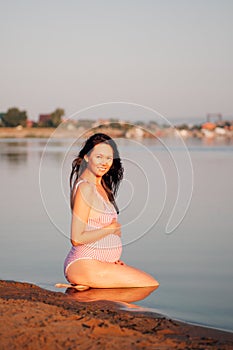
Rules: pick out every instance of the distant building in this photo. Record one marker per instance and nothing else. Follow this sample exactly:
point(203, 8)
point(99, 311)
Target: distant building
point(208, 126)
point(44, 118)
point(29, 123)
point(101, 122)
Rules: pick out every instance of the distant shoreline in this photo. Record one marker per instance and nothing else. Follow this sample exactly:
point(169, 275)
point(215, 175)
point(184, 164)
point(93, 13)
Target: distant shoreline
point(46, 133)
point(26, 132)
point(137, 132)
point(39, 132)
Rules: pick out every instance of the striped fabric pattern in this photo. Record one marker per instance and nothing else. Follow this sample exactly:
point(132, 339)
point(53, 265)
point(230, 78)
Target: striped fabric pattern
point(106, 249)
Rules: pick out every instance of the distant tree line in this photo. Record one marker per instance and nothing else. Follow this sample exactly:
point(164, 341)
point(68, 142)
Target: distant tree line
point(14, 117)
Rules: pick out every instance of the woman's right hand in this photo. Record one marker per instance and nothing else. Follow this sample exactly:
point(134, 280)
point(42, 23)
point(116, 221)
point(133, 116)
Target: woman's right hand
point(116, 228)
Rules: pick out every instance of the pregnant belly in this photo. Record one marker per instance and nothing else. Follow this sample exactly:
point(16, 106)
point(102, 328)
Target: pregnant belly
point(106, 249)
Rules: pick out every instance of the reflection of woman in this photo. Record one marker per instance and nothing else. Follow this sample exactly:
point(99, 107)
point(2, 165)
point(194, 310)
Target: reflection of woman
point(93, 260)
point(125, 296)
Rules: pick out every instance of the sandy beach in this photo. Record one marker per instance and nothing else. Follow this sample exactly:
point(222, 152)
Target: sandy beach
point(35, 318)
point(56, 133)
point(30, 133)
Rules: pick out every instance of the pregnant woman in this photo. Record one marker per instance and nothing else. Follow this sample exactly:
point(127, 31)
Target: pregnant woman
point(94, 258)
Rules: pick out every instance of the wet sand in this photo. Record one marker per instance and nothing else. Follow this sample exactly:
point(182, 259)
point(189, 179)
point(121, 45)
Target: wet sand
point(34, 318)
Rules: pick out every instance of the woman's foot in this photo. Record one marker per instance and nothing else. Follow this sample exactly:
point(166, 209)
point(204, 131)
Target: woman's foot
point(78, 287)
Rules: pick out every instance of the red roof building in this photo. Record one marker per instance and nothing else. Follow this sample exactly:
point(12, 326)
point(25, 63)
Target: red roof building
point(43, 118)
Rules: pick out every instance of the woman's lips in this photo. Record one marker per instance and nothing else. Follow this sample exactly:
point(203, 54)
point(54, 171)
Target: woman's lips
point(102, 168)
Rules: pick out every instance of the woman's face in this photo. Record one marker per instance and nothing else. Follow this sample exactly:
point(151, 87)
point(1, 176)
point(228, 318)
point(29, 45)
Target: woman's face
point(100, 159)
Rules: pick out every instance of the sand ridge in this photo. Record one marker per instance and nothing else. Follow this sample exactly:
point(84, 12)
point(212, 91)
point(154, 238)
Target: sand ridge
point(34, 318)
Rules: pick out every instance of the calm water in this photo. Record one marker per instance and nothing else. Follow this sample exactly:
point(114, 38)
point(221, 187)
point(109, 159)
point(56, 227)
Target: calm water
point(193, 263)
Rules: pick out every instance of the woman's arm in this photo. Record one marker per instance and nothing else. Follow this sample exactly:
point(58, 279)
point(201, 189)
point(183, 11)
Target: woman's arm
point(82, 206)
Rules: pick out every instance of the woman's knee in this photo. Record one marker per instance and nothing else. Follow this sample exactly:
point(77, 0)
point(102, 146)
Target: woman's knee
point(140, 278)
point(152, 282)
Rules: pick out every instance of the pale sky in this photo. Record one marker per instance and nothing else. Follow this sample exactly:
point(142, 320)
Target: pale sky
point(175, 56)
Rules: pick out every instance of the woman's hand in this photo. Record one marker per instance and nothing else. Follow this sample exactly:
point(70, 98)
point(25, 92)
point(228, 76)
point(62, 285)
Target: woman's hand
point(116, 228)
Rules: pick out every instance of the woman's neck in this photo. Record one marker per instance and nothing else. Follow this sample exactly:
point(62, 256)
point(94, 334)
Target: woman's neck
point(90, 177)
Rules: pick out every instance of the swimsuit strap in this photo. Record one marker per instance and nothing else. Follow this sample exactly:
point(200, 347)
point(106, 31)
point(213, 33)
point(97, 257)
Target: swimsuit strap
point(79, 182)
point(76, 186)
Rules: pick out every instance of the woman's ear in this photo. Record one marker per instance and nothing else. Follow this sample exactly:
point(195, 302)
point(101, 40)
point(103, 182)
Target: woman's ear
point(86, 158)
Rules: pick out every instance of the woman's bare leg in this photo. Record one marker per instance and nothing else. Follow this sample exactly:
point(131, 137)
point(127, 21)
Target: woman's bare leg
point(97, 274)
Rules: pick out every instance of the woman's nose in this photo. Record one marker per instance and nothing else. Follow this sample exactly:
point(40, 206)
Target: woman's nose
point(105, 161)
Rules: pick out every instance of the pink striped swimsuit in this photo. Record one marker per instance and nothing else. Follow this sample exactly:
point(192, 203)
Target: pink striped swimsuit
point(106, 249)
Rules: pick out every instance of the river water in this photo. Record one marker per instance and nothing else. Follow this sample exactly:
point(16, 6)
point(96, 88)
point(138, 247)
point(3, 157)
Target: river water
point(190, 255)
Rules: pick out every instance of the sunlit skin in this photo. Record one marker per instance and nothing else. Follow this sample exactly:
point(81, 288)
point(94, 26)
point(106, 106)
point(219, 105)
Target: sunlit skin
point(99, 162)
point(89, 272)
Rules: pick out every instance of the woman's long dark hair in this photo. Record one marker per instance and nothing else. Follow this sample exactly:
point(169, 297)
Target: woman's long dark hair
point(111, 180)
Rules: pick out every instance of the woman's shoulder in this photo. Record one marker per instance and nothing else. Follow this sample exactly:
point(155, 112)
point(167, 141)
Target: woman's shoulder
point(84, 193)
point(85, 187)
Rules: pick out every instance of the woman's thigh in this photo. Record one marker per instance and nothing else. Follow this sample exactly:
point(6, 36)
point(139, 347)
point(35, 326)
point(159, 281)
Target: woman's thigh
point(97, 274)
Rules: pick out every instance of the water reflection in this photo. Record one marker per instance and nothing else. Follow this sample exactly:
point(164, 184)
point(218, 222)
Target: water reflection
point(14, 158)
point(54, 156)
point(121, 295)
point(216, 141)
point(14, 152)
point(18, 143)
